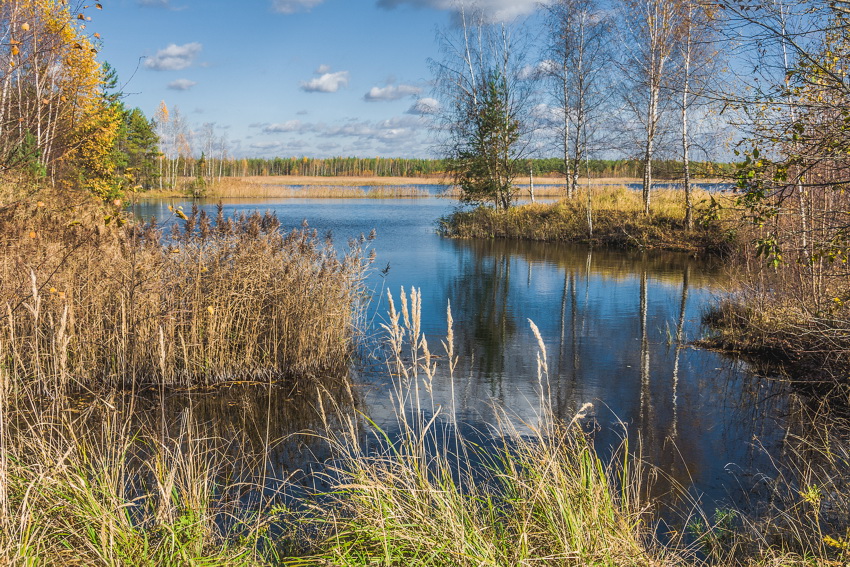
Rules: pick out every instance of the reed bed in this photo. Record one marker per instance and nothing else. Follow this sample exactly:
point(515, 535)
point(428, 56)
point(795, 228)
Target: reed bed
point(90, 301)
point(617, 220)
point(241, 189)
point(91, 484)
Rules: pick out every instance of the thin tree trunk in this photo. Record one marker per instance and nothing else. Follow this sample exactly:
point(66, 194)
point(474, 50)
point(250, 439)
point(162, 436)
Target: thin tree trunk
point(689, 214)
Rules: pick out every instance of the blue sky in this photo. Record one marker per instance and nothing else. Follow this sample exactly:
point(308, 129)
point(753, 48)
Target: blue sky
point(287, 77)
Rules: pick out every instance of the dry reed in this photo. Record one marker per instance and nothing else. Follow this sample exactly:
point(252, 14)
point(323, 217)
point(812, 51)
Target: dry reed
point(88, 303)
point(237, 189)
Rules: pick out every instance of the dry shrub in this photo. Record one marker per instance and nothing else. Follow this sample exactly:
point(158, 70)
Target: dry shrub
point(89, 299)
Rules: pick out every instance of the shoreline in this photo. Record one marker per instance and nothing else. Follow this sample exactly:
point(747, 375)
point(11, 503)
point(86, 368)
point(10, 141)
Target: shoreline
point(260, 187)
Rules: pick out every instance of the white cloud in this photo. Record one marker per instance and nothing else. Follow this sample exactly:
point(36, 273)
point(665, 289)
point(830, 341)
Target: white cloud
point(383, 131)
point(289, 126)
point(292, 6)
point(327, 82)
point(539, 70)
point(267, 146)
point(181, 85)
point(424, 106)
point(174, 57)
point(391, 92)
point(494, 10)
point(402, 133)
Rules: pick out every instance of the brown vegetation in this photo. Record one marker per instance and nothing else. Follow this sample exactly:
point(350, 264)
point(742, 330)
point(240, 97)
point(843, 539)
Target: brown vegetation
point(89, 300)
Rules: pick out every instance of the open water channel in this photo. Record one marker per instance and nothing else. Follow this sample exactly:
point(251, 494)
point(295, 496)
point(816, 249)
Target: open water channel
point(616, 325)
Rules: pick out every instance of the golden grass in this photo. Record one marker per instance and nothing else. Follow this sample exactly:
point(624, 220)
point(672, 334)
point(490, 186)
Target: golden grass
point(88, 303)
point(371, 181)
point(618, 220)
point(240, 188)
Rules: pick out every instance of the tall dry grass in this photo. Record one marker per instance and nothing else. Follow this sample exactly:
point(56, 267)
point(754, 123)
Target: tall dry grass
point(89, 301)
point(241, 189)
point(429, 496)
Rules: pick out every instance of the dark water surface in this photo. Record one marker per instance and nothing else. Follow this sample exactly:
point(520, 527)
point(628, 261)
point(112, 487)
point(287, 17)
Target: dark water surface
point(616, 326)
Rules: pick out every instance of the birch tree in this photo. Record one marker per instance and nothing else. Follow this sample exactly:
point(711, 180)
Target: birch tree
point(650, 31)
point(54, 118)
point(695, 44)
point(579, 58)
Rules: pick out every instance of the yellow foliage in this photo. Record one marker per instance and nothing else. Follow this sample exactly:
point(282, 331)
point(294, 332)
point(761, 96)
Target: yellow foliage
point(73, 128)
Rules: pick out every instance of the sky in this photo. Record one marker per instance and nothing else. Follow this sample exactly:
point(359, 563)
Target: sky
point(313, 78)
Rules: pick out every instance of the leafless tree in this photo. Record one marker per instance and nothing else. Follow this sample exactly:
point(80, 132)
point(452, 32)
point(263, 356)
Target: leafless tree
point(579, 51)
point(650, 31)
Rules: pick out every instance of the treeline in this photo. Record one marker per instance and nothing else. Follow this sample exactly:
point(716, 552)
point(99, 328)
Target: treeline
point(211, 168)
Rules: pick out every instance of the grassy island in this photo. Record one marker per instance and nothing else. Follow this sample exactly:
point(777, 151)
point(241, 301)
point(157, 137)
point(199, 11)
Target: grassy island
point(617, 220)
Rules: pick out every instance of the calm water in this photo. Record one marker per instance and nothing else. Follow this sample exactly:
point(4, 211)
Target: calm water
point(616, 327)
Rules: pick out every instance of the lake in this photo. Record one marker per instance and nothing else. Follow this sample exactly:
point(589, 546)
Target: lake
point(616, 326)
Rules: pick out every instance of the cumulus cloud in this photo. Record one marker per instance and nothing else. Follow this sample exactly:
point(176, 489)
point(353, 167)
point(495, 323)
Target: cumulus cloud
point(382, 136)
point(494, 10)
point(424, 106)
point(326, 82)
point(391, 92)
point(289, 126)
point(174, 57)
point(292, 6)
point(181, 85)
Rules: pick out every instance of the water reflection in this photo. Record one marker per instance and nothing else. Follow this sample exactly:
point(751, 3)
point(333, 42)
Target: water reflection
point(616, 327)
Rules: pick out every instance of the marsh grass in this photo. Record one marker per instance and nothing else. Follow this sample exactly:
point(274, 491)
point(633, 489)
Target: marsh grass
point(236, 188)
point(83, 488)
point(89, 485)
point(90, 304)
point(542, 496)
point(617, 221)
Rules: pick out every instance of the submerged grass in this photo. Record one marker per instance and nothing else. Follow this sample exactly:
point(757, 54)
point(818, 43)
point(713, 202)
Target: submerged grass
point(618, 220)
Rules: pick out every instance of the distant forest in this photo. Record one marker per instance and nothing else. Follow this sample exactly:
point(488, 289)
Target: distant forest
point(403, 167)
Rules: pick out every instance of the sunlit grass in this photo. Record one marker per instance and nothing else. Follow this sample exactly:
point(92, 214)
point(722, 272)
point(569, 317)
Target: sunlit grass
point(617, 220)
point(90, 304)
